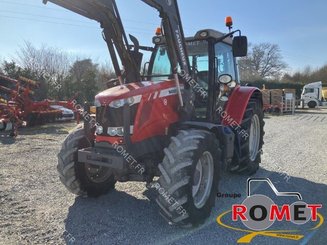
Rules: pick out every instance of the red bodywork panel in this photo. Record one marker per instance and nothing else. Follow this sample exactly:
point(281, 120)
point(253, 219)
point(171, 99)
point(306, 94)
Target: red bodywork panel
point(110, 140)
point(132, 89)
point(156, 112)
point(238, 102)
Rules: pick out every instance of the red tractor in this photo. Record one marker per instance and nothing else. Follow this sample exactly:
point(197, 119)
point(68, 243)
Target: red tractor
point(184, 119)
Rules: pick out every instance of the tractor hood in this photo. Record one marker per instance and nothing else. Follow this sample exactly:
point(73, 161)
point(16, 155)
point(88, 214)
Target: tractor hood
point(131, 90)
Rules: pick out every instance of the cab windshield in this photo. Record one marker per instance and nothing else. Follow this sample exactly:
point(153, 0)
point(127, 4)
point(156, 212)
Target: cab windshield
point(199, 61)
point(198, 54)
point(198, 57)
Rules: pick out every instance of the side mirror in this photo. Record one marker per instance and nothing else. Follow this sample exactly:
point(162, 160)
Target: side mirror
point(159, 40)
point(240, 46)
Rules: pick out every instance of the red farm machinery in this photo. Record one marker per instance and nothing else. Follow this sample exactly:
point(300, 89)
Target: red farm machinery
point(18, 108)
point(184, 118)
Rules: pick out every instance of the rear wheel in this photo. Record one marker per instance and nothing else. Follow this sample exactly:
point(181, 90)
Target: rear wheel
point(251, 138)
point(81, 178)
point(189, 178)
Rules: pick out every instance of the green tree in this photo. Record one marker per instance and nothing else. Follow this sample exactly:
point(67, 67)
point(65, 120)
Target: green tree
point(308, 75)
point(13, 70)
point(82, 79)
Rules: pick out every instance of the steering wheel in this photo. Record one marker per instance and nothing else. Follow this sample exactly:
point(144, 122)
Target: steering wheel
point(203, 79)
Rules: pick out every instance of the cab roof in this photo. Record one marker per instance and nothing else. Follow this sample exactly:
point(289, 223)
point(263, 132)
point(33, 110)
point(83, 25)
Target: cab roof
point(210, 33)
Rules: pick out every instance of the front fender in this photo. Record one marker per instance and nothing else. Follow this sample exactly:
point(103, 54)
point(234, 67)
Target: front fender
point(238, 102)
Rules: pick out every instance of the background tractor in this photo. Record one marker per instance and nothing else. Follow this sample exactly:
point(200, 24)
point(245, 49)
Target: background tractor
point(184, 119)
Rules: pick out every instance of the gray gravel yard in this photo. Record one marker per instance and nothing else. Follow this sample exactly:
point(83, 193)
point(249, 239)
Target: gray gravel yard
point(35, 208)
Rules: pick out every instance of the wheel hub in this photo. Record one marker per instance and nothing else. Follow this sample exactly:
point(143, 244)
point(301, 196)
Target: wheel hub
point(254, 140)
point(203, 180)
point(97, 174)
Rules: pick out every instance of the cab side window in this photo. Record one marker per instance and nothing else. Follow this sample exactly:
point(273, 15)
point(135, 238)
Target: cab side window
point(161, 69)
point(225, 60)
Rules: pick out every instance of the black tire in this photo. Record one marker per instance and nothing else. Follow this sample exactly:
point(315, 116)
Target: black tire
point(248, 164)
point(277, 111)
point(312, 104)
point(177, 177)
point(74, 175)
point(31, 120)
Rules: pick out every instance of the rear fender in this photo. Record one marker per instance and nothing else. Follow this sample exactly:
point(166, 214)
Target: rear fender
point(238, 102)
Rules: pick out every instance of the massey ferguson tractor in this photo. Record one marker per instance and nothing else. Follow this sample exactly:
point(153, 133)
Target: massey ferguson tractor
point(182, 116)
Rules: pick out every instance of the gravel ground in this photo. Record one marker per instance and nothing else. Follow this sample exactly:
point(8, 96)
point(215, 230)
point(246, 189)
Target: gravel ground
point(35, 208)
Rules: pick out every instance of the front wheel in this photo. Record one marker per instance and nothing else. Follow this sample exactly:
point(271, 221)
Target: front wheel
point(312, 104)
point(189, 178)
point(81, 178)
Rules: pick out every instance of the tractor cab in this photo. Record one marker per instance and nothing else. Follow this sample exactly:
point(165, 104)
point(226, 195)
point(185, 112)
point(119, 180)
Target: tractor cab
point(210, 54)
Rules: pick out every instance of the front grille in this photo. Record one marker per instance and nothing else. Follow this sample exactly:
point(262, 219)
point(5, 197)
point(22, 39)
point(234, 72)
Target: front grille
point(114, 117)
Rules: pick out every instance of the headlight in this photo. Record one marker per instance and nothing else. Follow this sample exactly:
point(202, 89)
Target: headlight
point(232, 84)
point(130, 100)
point(157, 40)
point(118, 103)
point(225, 78)
point(97, 103)
point(204, 34)
point(120, 132)
point(116, 132)
point(99, 130)
point(224, 98)
point(112, 131)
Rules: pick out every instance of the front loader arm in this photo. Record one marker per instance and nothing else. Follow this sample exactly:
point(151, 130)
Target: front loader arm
point(106, 13)
point(175, 39)
point(173, 31)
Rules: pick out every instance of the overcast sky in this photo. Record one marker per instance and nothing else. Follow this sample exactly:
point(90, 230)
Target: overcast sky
point(299, 27)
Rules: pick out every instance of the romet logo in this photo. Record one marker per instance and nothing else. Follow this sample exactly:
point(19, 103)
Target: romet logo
point(259, 212)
